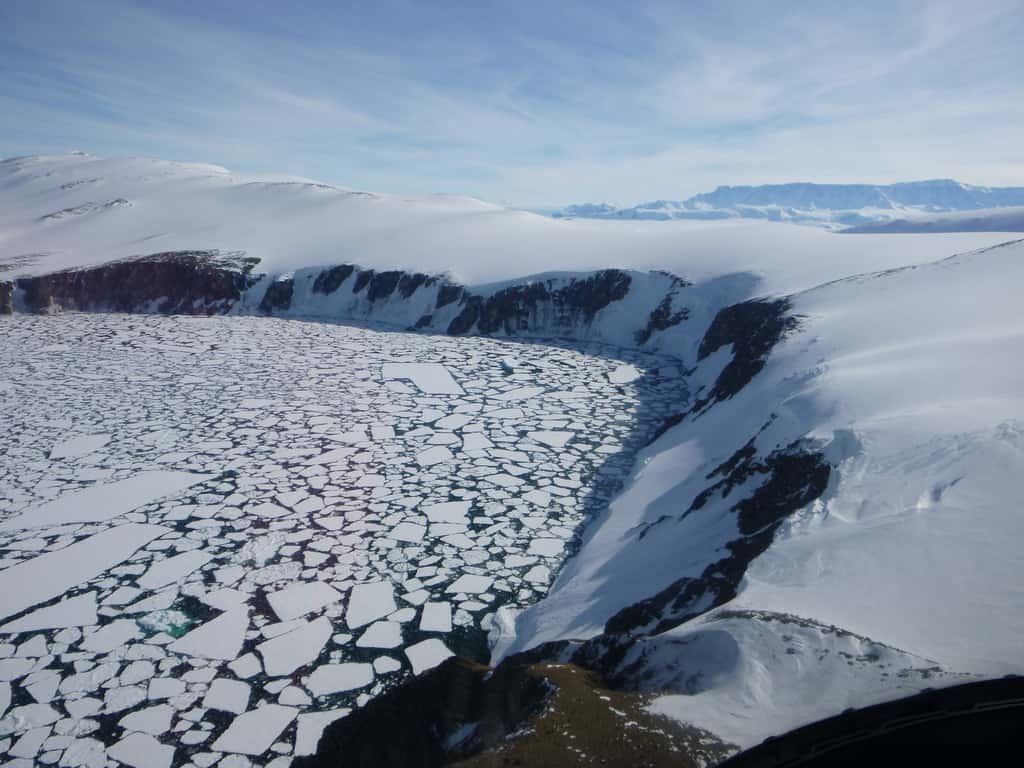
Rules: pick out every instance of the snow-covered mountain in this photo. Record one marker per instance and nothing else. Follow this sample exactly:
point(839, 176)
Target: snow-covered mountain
point(827, 205)
point(830, 520)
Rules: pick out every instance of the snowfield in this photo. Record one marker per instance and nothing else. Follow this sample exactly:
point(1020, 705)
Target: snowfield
point(829, 516)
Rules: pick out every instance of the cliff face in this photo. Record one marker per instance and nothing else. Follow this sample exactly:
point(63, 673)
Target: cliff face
point(616, 306)
point(613, 306)
point(181, 282)
point(6, 297)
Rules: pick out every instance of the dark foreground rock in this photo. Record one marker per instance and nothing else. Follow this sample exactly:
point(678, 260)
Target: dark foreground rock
point(542, 715)
point(455, 709)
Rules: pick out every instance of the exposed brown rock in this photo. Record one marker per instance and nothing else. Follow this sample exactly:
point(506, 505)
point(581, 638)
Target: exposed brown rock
point(542, 715)
point(178, 282)
point(414, 725)
point(584, 723)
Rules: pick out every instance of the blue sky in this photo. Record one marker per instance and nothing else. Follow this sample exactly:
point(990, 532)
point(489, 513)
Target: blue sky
point(526, 103)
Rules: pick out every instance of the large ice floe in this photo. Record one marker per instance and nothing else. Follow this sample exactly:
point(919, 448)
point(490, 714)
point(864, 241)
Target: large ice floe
point(219, 535)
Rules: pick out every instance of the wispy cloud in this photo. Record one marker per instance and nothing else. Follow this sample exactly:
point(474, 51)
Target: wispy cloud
point(528, 103)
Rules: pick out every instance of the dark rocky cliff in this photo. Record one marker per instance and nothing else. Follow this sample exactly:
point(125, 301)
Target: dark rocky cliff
point(180, 282)
point(212, 282)
point(6, 297)
point(541, 304)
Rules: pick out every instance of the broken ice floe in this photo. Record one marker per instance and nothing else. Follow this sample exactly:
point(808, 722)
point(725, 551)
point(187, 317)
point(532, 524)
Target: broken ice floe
point(207, 558)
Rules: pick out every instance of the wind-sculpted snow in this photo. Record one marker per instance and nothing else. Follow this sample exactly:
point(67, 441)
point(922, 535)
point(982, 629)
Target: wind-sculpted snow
point(218, 535)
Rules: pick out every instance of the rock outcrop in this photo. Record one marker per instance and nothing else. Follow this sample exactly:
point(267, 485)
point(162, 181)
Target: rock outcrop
point(455, 709)
point(522, 713)
point(541, 305)
point(6, 298)
point(612, 306)
point(179, 282)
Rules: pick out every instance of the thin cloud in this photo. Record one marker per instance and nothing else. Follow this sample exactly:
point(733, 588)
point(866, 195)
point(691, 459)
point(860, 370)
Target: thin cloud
point(530, 105)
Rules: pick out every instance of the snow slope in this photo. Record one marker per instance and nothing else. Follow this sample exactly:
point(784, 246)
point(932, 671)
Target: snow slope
point(909, 383)
point(64, 211)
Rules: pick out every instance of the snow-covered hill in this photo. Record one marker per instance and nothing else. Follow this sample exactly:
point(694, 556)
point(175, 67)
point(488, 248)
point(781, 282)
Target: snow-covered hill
point(826, 205)
point(58, 212)
point(880, 444)
point(831, 520)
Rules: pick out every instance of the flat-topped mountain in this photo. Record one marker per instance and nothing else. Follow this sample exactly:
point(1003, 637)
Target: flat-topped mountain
point(820, 204)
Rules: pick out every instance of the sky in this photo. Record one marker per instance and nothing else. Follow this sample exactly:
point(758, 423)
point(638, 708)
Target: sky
point(528, 104)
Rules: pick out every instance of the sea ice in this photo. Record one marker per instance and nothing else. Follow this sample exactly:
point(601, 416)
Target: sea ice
point(369, 602)
point(252, 733)
point(624, 374)
point(427, 654)
point(152, 720)
point(285, 653)
point(78, 611)
point(104, 502)
point(44, 577)
point(447, 512)
point(301, 598)
point(429, 378)
point(553, 438)
point(311, 727)
point(79, 445)
point(436, 617)
point(470, 584)
point(219, 638)
point(335, 678)
point(140, 750)
point(173, 569)
point(228, 696)
point(436, 455)
point(381, 634)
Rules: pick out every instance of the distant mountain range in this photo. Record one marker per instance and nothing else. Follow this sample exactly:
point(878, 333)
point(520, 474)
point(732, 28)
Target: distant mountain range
point(827, 205)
